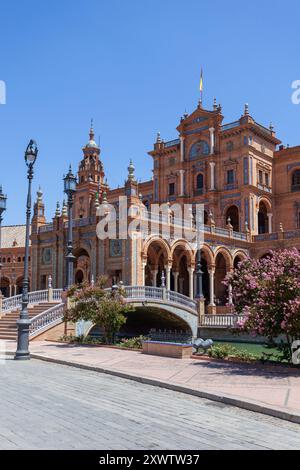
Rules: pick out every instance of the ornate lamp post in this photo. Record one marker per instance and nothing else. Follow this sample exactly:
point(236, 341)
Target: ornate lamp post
point(199, 273)
point(70, 182)
point(23, 323)
point(3, 200)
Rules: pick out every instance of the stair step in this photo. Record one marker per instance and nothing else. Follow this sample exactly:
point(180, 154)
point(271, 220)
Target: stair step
point(8, 323)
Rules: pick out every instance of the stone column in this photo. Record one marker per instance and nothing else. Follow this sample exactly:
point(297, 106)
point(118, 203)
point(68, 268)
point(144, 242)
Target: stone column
point(168, 276)
point(212, 140)
point(270, 216)
point(181, 149)
point(212, 287)
point(191, 282)
point(181, 188)
point(154, 277)
point(144, 263)
point(175, 275)
point(180, 285)
point(212, 175)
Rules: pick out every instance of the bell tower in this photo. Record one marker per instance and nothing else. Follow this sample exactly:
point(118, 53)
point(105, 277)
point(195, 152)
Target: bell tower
point(90, 178)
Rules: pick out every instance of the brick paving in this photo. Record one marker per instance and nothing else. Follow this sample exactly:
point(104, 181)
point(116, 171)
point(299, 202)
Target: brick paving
point(50, 406)
point(272, 386)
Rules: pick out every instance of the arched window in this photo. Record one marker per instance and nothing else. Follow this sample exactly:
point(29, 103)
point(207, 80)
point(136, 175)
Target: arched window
point(262, 218)
point(198, 149)
point(296, 181)
point(199, 183)
point(232, 213)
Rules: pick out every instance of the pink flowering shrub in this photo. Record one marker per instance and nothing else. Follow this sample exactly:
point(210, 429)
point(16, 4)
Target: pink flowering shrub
point(267, 293)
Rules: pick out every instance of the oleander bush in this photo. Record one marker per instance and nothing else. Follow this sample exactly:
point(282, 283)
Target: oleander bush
point(267, 293)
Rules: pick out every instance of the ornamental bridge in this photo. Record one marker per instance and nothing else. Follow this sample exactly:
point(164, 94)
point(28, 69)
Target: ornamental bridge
point(46, 309)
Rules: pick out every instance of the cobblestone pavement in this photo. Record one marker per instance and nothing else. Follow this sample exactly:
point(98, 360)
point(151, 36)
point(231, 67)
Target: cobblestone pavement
point(50, 406)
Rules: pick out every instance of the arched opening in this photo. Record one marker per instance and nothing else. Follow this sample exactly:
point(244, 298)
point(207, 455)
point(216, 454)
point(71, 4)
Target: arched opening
point(236, 262)
point(232, 213)
point(79, 277)
point(205, 279)
point(296, 181)
point(182, 260)
point(151, 321)
point(19, 286)
point(205, 218)
point(199, 183)
point(4, 286)
point(157, 260)
point(262, 218)
point(220, 288)
point(82, 266)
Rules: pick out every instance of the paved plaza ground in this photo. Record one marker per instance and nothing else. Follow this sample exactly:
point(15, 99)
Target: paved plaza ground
point(276, 387)
point(51, 406)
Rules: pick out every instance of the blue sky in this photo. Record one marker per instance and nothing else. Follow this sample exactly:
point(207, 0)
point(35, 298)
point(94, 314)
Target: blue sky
point(134, 67)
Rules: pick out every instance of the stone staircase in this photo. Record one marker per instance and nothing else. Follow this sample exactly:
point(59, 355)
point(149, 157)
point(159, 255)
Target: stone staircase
point(8, 322)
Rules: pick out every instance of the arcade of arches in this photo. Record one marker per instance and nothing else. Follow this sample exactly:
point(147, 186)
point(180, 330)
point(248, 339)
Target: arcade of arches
point(176, 268)
point(11, 286)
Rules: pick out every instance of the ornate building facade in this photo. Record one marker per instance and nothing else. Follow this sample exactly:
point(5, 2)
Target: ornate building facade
point(247, 181)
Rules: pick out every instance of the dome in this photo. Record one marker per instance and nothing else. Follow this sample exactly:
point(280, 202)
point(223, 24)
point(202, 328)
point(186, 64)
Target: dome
point(92, 144)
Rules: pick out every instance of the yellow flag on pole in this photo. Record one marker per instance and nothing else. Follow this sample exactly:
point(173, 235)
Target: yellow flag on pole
point(201, 81)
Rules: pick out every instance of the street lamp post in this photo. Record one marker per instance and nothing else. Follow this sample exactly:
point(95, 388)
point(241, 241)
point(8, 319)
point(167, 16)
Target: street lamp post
point(3, 200)
point(199, 273)
point(70, 189)
point(23, 323)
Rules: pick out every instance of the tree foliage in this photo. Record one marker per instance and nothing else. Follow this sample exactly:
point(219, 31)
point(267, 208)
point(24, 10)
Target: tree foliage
point(105, 308)
point(267, 293)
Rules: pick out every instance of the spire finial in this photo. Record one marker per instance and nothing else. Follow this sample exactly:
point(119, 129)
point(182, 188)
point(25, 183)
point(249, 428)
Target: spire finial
point(131, 171)
point(271, 127)
point(92, 134)
point(158, 138)
point(64, 211)
point(215, 104)
point(57, 212)
point(39, 195)
point(104, 197)
point(246, 112)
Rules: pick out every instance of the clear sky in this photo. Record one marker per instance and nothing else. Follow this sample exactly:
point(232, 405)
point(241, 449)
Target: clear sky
point(134, 66)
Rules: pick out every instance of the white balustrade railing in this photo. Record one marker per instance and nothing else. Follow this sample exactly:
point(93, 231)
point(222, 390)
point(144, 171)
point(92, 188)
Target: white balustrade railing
point(221, 321)
point(36, 297)
point(143, 292)
point(57, 294)
point(158, 293)
point(46, 319)
point(181, 299)
point(11, 303)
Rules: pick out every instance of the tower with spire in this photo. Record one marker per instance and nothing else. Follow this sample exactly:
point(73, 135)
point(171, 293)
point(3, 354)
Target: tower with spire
point(38, 218)
point(91, 178)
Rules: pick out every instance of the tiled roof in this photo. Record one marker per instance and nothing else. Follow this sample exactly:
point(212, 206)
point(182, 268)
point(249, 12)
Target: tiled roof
point(13, 235)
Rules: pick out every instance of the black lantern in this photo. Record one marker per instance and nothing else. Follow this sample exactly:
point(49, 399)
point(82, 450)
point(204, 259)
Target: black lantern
point(70, 183)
